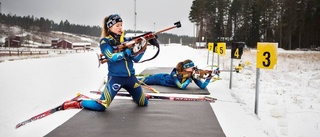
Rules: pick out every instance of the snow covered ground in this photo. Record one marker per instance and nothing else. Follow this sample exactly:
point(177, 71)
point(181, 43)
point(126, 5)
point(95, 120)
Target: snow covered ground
point(289, 100)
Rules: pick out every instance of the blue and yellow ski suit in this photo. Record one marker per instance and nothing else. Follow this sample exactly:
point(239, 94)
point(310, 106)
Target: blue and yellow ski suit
point(173, 80)
point(121, 74)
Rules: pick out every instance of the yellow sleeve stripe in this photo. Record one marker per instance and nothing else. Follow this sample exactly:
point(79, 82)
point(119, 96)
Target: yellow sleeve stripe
point(109, 54)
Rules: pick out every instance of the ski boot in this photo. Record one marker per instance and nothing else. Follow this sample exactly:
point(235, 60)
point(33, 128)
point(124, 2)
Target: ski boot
point(71, 104)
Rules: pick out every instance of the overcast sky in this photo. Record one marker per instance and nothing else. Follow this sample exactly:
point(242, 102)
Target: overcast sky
point(152, 15)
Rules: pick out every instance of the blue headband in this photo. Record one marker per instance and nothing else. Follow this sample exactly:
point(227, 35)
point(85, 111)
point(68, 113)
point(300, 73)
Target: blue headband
point(113, 19)
point(188, 65)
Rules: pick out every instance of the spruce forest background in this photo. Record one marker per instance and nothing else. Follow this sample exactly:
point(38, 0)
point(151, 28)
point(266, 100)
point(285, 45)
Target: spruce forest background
point(292, 23)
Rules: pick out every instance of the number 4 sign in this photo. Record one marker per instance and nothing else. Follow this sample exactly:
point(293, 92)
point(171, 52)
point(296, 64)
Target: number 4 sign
point(266, 55)
point(237, 50)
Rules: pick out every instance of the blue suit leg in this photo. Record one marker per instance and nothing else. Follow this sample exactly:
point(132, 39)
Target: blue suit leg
point(112, 87)
point(92, 105)
point(155, 79)
point(135, 90)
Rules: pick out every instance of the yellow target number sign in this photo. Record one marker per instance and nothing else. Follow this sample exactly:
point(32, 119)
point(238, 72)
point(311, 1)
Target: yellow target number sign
point(210, 46)
point(266, 55)
point(221, 48)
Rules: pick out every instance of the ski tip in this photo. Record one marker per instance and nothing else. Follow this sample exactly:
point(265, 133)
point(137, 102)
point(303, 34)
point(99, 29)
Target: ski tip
point(17, 126)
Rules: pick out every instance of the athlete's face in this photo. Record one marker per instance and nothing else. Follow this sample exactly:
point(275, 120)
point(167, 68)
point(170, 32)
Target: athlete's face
point(117, 28)
point(190, 69)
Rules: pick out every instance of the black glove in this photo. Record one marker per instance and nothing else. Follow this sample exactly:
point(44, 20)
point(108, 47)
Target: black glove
point(154, 41)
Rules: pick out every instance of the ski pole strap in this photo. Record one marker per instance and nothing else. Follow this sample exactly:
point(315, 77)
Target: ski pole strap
point(154, 56)
point(149, 87)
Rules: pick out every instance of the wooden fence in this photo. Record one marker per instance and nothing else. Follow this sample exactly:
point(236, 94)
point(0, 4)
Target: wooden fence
point(10, 52)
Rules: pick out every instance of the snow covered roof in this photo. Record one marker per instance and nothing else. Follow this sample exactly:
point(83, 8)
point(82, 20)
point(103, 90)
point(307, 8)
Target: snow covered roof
point(56, 39)
point(81, 44)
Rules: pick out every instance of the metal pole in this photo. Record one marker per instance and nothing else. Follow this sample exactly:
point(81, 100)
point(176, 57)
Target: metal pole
point(135, 19)
point(9, 40)
point(212, 60)
point(208, 57)
point(230, 83)
point(257, 92)
point(218, 61)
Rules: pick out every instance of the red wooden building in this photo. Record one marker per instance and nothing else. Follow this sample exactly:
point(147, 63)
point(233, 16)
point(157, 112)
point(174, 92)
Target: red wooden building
point(13, 41)
point(64, 44)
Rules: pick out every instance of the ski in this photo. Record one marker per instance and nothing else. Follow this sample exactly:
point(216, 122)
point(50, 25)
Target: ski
point(166, 97)
point(46, 113)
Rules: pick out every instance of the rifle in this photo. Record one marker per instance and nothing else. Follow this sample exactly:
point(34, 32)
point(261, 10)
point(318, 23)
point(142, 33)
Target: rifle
point(201, 73)
point(148, 36)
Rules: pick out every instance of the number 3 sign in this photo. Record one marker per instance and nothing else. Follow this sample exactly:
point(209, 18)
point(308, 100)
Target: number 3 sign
point(266, 55)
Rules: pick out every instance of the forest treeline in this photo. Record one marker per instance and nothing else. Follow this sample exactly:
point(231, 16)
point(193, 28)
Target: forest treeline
point(291, 23)
point(31, 23)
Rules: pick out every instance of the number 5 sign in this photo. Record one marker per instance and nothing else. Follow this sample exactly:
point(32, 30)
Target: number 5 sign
point(266, 55)
point(221, 48)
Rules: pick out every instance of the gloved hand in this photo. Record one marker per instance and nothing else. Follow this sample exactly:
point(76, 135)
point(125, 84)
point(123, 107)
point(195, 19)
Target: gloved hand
point(216, 72)
point(138, 46)
point(154, 41)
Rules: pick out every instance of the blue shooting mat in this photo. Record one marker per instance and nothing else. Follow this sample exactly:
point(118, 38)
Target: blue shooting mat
point(161, 118)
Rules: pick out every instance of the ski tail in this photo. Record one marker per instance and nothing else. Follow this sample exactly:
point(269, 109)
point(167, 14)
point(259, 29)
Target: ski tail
point(46, 113)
